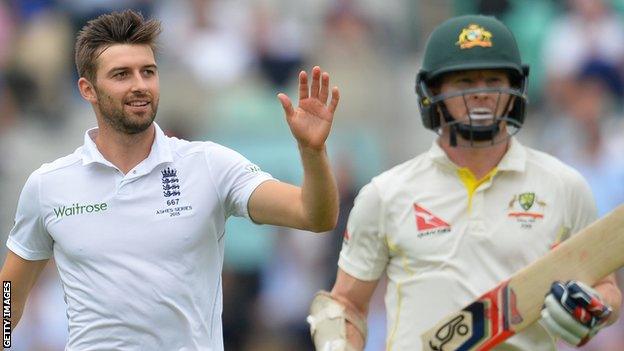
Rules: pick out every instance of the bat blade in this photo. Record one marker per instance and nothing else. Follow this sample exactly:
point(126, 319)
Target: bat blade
point(514, 304)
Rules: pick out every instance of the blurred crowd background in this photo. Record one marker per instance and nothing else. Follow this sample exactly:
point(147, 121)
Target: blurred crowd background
point(221, 64)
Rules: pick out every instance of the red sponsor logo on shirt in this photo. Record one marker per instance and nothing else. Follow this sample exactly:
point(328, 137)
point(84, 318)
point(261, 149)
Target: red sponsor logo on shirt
point(428, 222)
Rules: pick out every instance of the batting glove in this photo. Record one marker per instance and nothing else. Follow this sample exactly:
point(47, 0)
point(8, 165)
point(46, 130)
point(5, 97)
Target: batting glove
point(574, 312)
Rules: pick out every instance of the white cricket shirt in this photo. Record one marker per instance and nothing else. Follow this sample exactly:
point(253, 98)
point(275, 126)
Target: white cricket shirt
point(139, 255)
point(444, 238)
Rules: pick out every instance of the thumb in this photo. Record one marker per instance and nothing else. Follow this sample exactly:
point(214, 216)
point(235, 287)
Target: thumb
point(287, 105)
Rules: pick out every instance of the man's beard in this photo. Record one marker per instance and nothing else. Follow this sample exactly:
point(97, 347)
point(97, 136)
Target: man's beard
point(121, 121)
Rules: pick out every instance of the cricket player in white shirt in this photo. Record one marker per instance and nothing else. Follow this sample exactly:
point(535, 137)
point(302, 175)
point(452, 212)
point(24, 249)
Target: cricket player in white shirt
point(135, 219)
point(453, 222)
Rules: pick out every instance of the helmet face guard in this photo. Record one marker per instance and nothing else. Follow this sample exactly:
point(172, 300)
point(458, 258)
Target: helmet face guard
point(468, 43)
point(475, 127)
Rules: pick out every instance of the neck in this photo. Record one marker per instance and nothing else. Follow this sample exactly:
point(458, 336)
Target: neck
point(480, 161)
point(125, 151)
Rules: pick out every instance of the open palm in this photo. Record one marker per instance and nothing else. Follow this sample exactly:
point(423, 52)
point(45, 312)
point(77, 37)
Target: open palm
point(310, 122)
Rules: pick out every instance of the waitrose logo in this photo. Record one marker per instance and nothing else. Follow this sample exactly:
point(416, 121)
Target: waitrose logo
point(76, 209)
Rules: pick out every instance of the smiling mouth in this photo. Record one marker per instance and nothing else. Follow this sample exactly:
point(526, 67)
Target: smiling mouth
point(137, 103)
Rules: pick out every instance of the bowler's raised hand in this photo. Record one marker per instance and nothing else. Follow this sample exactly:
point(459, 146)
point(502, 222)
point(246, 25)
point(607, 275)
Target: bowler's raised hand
point(310, 122)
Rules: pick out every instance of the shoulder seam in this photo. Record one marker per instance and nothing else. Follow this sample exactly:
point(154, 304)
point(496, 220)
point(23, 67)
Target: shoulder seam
point(195, 150)
point(43, 171)
point(549, 169)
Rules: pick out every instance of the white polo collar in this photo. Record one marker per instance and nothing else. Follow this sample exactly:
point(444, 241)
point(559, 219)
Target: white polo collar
point(514, 159)
point(160, 152)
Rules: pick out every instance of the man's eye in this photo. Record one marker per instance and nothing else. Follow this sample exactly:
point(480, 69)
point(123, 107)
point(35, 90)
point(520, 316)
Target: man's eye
point(121, 75)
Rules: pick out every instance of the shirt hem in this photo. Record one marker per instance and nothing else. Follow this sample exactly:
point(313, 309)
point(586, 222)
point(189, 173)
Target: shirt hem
point(250, 189)
point(24, 253)
point(354, 271)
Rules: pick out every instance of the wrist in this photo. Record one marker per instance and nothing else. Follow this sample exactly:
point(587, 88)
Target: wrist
point(307, 150)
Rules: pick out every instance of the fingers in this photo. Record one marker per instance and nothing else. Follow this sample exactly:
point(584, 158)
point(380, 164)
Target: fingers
point(590, 303)
point(324, 88)
point(334, 100)
point(287, 105)
point(319, 88)
point(303, 85)
point(316, 82)
point(320, 85)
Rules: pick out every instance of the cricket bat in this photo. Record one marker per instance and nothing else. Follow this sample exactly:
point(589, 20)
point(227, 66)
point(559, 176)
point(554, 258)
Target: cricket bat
point(515, 303)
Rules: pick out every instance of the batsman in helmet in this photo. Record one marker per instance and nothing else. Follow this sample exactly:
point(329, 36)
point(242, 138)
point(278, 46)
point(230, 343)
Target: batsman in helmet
point(454, 221)
point(472, 51)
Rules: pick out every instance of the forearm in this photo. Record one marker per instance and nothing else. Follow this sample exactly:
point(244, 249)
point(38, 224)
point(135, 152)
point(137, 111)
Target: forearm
point(319, 191)
point(16, 295)
point(17, 308)
point(22, 274)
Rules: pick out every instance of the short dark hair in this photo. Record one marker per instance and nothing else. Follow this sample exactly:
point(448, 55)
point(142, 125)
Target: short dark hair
point(127, 27)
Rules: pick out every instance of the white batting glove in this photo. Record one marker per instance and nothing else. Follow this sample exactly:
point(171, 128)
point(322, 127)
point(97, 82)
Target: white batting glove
point(574, 312)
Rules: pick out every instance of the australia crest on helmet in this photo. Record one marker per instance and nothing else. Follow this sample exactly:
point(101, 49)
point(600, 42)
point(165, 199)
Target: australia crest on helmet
point(474, 35)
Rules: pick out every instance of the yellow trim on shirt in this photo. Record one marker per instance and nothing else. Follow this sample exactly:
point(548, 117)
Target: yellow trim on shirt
point(471, 183)
point(400, 253)
point(405, 265)
point(396, 321)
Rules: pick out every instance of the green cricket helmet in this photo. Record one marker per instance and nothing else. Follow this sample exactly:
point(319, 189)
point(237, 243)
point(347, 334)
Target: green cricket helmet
point(472, 42)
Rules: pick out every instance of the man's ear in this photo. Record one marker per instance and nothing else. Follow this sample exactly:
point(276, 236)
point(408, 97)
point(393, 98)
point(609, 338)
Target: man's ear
point(87, 90)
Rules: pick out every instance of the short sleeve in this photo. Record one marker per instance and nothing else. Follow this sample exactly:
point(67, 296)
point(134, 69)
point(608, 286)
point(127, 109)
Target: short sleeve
point(235, 178)
point(364, 253)
point(582, 211)
point(29, 239)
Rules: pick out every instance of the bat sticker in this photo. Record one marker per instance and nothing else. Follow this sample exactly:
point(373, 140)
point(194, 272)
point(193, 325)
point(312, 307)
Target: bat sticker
point(486, 319)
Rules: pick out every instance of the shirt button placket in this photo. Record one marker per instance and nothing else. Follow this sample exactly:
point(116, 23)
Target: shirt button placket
point(477, 224)
point(122, 186)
